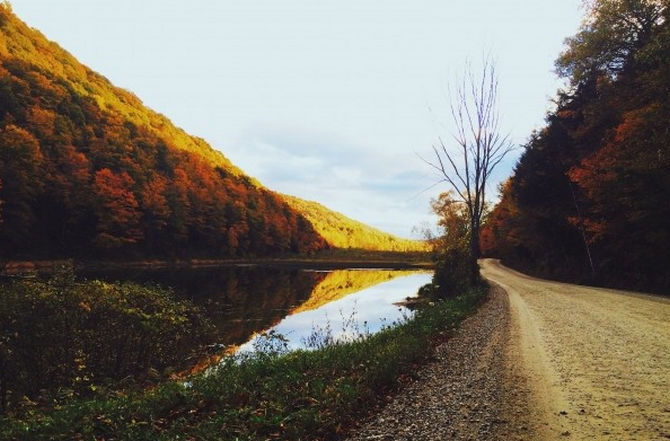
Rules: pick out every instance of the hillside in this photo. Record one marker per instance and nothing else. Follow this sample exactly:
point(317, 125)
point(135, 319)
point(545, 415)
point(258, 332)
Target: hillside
point(589, 197)
point(86, 170)
point(342, 232)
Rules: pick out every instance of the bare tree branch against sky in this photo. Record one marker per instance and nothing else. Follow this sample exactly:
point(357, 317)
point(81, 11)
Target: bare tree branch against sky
point(478, 144)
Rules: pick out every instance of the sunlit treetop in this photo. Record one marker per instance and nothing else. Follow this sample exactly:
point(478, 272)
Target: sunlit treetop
point(611, 32)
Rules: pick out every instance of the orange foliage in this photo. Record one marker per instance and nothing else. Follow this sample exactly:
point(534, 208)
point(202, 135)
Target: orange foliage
point(117, 209)
point(154, 202)
point(87, 169)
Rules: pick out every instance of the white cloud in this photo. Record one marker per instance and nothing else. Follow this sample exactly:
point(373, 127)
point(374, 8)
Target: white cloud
point(381, 189)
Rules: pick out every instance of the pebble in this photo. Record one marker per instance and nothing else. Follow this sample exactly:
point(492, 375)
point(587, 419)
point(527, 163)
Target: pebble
point(459, 395)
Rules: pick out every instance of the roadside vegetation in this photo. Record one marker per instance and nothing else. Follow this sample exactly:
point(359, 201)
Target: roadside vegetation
point(268, 394)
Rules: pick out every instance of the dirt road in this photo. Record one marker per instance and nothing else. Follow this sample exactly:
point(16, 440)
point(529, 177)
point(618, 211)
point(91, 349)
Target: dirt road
point(596, 362)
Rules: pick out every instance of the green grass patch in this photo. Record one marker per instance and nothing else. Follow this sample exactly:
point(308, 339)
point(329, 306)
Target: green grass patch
point(309, 394)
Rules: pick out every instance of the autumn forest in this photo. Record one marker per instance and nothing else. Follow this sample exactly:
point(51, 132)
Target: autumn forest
point(87, 171)
point(588, 199)
point(89, 174)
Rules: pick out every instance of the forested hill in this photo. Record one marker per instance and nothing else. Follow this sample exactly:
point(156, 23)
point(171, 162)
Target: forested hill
point(342, 232)
point(589, 198)
point(86, 170)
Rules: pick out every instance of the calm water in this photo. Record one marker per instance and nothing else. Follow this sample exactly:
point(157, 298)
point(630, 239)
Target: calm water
point(361, 312)
point(245, 301)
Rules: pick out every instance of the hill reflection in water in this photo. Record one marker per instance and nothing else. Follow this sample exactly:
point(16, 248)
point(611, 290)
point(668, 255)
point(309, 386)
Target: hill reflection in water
point(348, 303)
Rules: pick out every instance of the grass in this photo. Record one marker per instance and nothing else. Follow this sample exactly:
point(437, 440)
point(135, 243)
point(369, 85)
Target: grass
point(303, 395)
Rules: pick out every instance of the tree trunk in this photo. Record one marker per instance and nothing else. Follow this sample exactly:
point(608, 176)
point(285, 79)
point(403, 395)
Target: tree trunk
point(475, 252)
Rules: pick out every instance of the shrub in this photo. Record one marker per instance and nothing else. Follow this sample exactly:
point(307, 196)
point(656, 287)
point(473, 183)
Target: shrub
point(452, 275)
point(67, 337)
point(303, 395)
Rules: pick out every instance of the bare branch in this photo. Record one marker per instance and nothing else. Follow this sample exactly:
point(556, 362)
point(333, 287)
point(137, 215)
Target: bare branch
point(478, 145)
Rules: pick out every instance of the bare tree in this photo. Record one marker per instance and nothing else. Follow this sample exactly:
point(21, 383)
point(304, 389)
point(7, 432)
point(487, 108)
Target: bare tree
point(477, 146)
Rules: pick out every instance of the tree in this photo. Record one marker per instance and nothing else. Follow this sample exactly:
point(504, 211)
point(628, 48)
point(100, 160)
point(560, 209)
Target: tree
point(116, 209)
point(452, 222)
point(587, 201)
point(156, 209)
point(20, 162)
point(479, 146)
point(452, 274)
point(609, 38)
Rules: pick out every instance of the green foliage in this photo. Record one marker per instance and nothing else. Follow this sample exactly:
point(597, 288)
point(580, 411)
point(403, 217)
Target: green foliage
point(452, 274)
point(300, 395)
point(65, 337)
point(610, 38)
point(341, 232)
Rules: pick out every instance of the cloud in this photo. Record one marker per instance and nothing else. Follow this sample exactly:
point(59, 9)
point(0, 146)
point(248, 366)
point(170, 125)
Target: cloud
point(377, 187)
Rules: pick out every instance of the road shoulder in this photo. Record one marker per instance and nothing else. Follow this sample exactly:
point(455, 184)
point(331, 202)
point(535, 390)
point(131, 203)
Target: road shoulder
point(458, 396)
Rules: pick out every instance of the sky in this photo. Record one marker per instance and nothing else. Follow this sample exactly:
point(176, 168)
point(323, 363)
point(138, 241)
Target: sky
point(339, 102)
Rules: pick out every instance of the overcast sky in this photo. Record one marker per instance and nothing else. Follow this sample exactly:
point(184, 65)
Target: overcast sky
point(326, 100)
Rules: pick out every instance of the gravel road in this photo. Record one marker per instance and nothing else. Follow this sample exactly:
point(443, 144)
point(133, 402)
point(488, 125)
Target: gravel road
point(597, 361)
point(542, 361)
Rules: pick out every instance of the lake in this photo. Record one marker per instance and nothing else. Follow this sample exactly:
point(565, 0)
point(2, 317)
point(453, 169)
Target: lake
point(244, 301)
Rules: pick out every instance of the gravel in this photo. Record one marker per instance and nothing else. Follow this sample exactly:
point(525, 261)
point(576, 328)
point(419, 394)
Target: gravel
point(461, 395)
point(596, 361)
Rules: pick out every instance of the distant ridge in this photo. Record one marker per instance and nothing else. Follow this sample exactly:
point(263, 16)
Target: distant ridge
point(343, 232)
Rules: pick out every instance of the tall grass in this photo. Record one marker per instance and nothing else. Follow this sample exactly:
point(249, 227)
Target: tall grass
point(303, 395)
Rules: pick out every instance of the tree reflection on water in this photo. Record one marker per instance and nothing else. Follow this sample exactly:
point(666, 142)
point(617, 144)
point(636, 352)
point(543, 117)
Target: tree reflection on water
point(243, 301)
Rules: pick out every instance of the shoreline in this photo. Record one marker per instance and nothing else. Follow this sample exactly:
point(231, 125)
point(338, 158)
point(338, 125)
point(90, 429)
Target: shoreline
point(31, 267)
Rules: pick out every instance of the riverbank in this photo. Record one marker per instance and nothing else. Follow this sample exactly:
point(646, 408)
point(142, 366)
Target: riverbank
point(316, 394)
point(329, 260)
point(460, 394)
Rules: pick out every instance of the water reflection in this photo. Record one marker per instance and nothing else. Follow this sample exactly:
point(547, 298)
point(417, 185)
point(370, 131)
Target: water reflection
point(341, 283)
point(244, 301)
point(361, 312)
point(240, 301)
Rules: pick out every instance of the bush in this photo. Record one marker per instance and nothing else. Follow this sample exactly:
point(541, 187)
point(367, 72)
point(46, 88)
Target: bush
point(63, 337)
point(452, 275)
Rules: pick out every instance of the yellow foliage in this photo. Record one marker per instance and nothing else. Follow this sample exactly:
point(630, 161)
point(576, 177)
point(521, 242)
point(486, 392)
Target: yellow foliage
point(343, 232)
point(19, 40)
point(340, 284)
